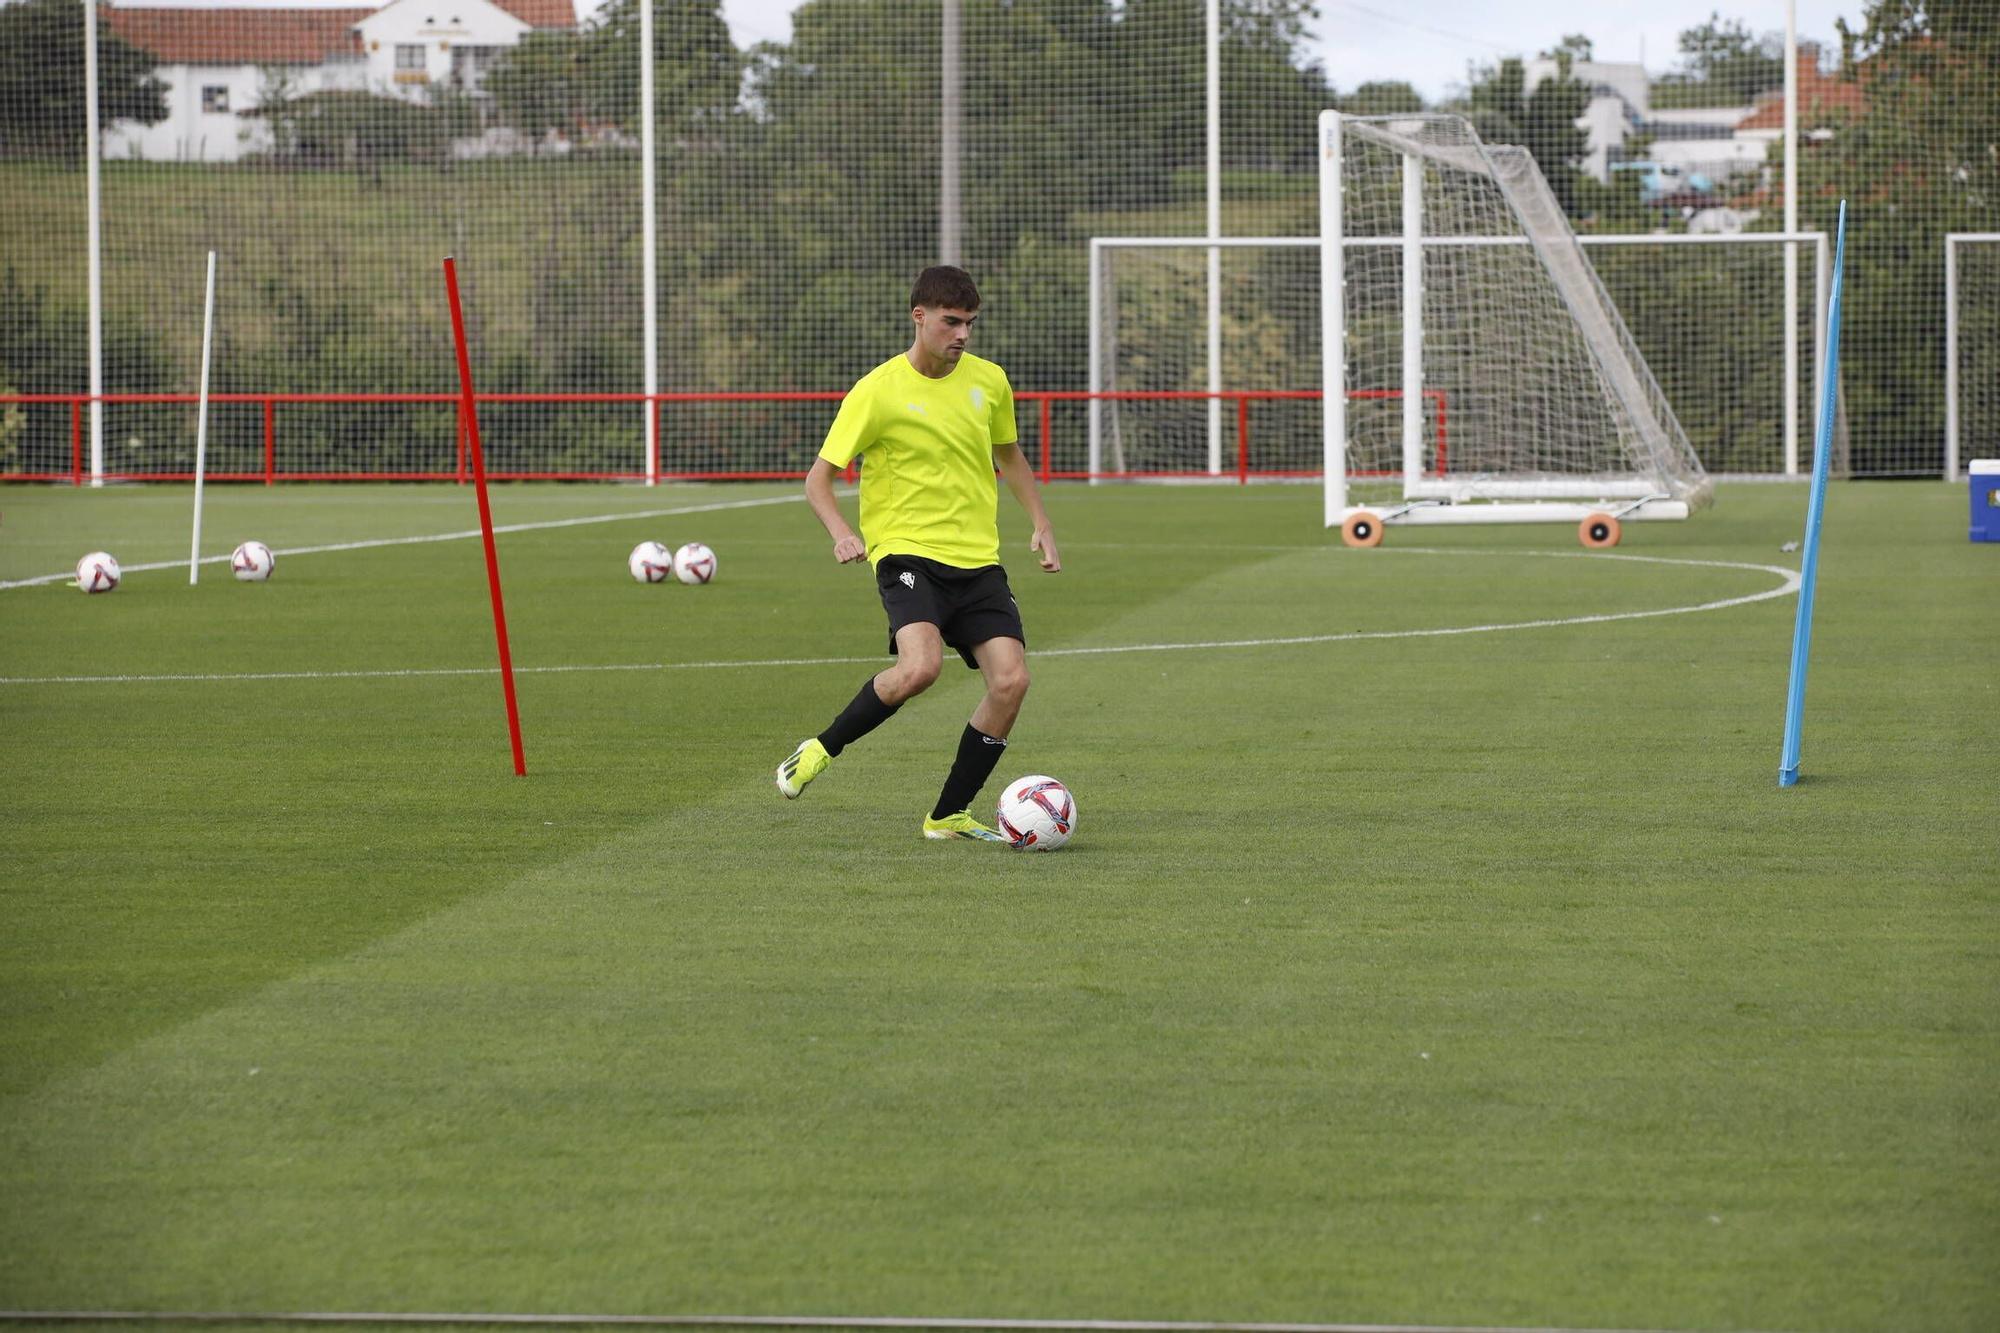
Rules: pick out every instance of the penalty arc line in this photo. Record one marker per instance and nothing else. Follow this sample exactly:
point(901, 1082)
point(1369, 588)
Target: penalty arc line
point(1788, 586)
point(470, 533)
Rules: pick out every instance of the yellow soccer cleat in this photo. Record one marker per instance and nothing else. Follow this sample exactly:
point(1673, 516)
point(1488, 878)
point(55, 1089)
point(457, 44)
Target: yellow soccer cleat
point(960, 825)
point(802, 766)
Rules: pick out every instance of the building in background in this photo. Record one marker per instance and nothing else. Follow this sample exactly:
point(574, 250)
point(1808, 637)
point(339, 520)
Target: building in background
point(1693, 156)
point(221, 65)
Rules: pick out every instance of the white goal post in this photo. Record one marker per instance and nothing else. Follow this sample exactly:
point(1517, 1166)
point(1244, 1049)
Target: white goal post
point(1146, 311)
point(1451, 259)
point(1971, 400)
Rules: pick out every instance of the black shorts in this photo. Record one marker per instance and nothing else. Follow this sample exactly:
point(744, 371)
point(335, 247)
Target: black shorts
point(969, 606)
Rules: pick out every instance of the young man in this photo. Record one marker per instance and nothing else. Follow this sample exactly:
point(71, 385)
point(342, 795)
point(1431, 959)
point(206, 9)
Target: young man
point(933, 423)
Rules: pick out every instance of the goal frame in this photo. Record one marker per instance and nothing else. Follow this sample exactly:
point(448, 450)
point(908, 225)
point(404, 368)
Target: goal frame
point(1100, 374)
point(1953, 472)
point(1440, 500)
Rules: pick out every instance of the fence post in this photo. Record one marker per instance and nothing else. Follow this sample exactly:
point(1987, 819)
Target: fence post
point(1243, 441)
point(1045, 439)
point(653, 441)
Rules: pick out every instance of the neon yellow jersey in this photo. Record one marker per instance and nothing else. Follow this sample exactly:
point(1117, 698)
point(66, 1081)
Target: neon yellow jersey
point(927, 481)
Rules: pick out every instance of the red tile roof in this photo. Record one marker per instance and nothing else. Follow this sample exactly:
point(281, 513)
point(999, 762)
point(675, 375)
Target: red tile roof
point(542, 13)
point(1823, 99)
point(276, 36)
point(239, 36)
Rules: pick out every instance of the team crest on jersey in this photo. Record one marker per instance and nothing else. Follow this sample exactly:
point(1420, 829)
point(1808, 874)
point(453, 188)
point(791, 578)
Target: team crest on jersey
point(978, 396)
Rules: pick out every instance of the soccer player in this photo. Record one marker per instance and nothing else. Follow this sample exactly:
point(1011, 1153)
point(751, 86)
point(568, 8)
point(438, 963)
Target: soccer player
point(932, 424)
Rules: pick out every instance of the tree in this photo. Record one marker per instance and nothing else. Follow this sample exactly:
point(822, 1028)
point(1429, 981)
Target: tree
point(1574, 45)
point(1382, 99)
point(41, 81)
point(569, 81)
point(345, 127)
point(1922, 158)
point(1722, 64)
point(1543, 122)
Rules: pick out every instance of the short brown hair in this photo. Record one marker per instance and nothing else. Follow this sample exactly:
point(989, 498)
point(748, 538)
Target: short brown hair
point(942, 285)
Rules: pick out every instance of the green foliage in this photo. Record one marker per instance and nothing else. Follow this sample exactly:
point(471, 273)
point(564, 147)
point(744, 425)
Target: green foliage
point(1544, 121)
point(341, 127)
point(44, 348)
point(1722, 64)
point(1381, 98)
point(41, 81)
point(1573, 46)
point(575, 82)
point(1922, 159)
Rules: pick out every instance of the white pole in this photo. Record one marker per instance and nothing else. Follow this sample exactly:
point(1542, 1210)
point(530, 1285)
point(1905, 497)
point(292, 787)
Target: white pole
point(1214, 230)
point(1791, 247)
point(1413, 320)
point(951, 134)
point(1333, 321)
point(1951, 358)
point(649, 225)
point(201, 421)
point(94, 228)
point(1096, 462)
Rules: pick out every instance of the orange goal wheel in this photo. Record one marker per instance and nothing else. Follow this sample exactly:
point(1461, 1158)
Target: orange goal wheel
point(1362, 529)
point(1599, 531)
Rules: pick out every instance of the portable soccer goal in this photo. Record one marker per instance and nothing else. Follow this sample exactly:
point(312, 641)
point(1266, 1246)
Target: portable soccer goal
point(1447, 267)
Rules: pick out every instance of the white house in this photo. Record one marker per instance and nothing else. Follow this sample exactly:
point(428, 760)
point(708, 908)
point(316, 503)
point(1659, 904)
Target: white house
point(1704, 150)
point(1618, 102)
point(218, 63)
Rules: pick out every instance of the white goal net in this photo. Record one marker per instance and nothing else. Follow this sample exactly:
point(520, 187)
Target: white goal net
point(1460, 278)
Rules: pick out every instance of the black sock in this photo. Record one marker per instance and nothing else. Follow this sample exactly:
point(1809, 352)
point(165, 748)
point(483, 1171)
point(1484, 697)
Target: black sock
point(977, 754)
point(863, 714)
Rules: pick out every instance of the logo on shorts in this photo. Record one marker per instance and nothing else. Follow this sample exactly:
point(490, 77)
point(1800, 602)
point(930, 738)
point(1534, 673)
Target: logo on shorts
point(907, 579)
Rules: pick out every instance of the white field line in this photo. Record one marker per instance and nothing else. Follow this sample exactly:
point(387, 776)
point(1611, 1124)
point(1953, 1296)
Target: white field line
point(1789, 584)
point(585, 521)
point(773, 1321)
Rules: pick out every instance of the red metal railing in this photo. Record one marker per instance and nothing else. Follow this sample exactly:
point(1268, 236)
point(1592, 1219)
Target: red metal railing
point(1043, 399)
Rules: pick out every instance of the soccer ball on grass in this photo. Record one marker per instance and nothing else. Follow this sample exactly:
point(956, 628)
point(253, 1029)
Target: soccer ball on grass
point(252, 562)
point(1037, 813)
point(97, 572)
point(694, 563)
point(650, 562)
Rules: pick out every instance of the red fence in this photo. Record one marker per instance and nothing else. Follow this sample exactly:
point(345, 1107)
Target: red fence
point(1040, 444)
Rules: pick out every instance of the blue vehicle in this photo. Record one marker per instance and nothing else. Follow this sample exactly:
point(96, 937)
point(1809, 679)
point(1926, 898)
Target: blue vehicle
point(1657, 180)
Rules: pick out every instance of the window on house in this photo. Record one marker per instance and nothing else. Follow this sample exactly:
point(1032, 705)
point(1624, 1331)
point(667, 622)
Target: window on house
point(214, 97)
point(409, 57)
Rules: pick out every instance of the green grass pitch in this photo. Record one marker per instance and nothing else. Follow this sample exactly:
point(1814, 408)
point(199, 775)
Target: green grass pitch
point(1480, 978)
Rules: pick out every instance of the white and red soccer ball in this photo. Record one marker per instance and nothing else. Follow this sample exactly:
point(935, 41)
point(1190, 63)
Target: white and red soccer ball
point(650, 562)
point(252, 562)
point(1037, 813)
point(97, 572)
point(694, 563)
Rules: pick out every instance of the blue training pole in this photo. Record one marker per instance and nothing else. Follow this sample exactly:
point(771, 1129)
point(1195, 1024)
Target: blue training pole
point(1795, 696)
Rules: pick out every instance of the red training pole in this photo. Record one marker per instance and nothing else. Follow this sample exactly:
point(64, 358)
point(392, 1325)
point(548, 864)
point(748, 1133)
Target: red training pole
point(471, 413)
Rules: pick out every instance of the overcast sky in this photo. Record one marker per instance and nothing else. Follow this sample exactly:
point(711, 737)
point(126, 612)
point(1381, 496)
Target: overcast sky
point(1425, 42)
